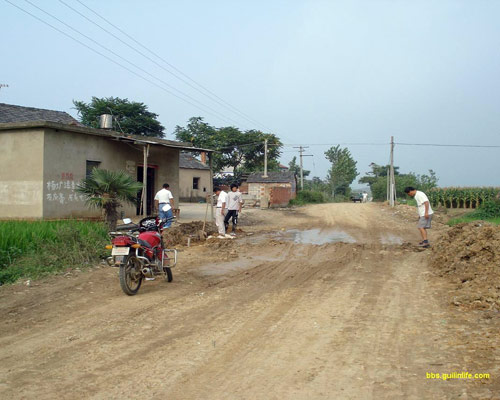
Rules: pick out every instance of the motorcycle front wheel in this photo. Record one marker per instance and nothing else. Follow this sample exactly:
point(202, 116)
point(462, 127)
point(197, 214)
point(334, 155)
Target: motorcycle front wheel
point(130, 276)
point(168, 274)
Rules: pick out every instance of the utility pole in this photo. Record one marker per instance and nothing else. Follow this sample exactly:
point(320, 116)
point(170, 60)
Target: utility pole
point(265, 159)
point(301, 151)
point(391, 178)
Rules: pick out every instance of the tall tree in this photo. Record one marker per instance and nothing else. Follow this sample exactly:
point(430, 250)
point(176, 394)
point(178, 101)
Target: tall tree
point(343, 170)
point(128, 116)
point(295, 168)
point(377, 171)
point(237, 149)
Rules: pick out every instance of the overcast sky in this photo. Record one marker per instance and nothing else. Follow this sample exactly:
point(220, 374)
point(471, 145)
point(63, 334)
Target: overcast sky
point(313, 72)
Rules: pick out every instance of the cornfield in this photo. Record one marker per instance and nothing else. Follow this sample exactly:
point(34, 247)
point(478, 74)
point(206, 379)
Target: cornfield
point(468, 197)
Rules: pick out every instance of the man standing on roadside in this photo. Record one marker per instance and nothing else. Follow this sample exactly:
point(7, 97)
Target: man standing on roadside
point(234, 202)
point(220, 211)
point(424, 213)
point(164, 202)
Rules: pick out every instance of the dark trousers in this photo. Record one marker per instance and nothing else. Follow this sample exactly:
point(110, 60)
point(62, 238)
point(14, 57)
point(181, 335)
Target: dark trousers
point(231, 214)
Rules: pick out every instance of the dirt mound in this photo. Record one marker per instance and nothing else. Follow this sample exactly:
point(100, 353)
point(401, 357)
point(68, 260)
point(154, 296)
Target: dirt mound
point(179, 234)
point(469, 254)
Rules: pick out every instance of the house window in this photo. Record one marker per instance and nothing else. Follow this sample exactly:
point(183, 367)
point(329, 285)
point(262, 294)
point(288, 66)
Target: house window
point(90, 166)
point(196, 183)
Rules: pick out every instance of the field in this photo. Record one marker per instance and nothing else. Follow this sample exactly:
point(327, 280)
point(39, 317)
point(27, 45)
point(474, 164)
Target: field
point(456, 197)
point(327, 301)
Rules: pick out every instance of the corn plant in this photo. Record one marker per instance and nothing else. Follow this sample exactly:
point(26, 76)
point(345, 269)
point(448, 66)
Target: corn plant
point(457, 197)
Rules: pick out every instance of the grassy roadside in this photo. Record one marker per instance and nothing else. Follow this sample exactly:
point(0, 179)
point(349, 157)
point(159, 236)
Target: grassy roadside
point(31, 250)
point(471, 218)
point(489, 211)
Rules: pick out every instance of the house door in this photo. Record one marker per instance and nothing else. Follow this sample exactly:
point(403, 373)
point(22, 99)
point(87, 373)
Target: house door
point(150, 189)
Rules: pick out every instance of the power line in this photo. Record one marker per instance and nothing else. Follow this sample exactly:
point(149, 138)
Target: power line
point(217, 114)
point(176, 69)
point(147, 57)
point(447, 145)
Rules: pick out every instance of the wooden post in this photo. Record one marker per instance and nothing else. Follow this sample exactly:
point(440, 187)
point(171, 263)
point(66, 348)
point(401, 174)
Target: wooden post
point(144, 197)
point(210, 163)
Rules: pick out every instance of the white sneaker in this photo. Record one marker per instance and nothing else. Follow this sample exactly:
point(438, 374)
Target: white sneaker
point(150, 279)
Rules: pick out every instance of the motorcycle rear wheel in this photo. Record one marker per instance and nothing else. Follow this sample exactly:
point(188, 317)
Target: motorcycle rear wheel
point(130, 276)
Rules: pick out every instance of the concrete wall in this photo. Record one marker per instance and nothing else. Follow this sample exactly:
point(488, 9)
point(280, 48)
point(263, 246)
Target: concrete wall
point(65, 155)
point(187, 193)
point(21, 174)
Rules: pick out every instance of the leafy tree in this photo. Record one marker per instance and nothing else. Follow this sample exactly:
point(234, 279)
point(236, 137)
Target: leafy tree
point(128, 116)
point(294, 167)
point(421, 182)
point(107, 190)
point(343, 170)
point(237, 149)
point(377, 171)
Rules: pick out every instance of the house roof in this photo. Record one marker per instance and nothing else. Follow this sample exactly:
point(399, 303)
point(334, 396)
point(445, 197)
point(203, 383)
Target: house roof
point(134, 139)
point(13, 113)
point(272, 177)
point(187, 161)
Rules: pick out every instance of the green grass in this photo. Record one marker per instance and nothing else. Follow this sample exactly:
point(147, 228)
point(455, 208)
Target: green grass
point(489, 211)
point(35, 249)
point(472, 218)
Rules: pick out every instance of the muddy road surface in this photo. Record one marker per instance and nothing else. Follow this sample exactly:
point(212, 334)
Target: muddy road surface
point(326, 302)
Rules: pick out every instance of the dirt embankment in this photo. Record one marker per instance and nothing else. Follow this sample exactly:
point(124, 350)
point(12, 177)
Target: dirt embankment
point(469, 256)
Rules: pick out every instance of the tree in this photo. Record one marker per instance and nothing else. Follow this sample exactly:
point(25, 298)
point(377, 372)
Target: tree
point(377, 171)
point(128, 116)
point(107, 189)
point(343, 170)
point(421, 182)
point(295, 168)
point(237, 149)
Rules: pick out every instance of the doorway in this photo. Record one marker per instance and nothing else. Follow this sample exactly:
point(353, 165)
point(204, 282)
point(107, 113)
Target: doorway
point(150, 189)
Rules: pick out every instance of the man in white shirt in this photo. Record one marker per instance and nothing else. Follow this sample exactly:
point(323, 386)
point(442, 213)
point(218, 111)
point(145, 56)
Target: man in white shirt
point(234, 203)
point(164, 202)
point(424, 213)
point(220, 211)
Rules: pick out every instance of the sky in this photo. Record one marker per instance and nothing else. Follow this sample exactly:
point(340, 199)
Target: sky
point(315, 73)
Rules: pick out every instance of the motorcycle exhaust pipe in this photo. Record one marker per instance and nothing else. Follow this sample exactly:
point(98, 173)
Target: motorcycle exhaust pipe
point(147, 272)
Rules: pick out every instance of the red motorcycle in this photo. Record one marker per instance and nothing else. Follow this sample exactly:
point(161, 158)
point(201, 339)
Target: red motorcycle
point(139, 252)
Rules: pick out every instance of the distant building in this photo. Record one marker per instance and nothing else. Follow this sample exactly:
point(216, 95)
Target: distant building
point(275, 190)
point(283, 168)
point(194, 178)
point(45, 154)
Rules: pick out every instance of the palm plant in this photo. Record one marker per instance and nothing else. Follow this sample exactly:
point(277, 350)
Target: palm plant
point(107, 190)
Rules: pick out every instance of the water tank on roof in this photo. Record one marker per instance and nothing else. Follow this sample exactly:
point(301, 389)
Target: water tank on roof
point(106, 121)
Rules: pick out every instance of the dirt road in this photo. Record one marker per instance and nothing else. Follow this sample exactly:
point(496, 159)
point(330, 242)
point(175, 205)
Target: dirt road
point(267, 316)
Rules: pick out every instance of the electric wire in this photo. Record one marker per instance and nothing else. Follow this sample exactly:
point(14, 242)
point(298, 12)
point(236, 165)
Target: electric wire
point(127, 61)
point(142, 54)
point(210, 94)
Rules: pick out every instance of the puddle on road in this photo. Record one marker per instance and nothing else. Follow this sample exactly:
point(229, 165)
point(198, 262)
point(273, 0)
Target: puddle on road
point(391, 239)
point(318, 236)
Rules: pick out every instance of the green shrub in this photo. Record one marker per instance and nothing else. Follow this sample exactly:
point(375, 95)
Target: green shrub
point(308, 197)
point(489, 209)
